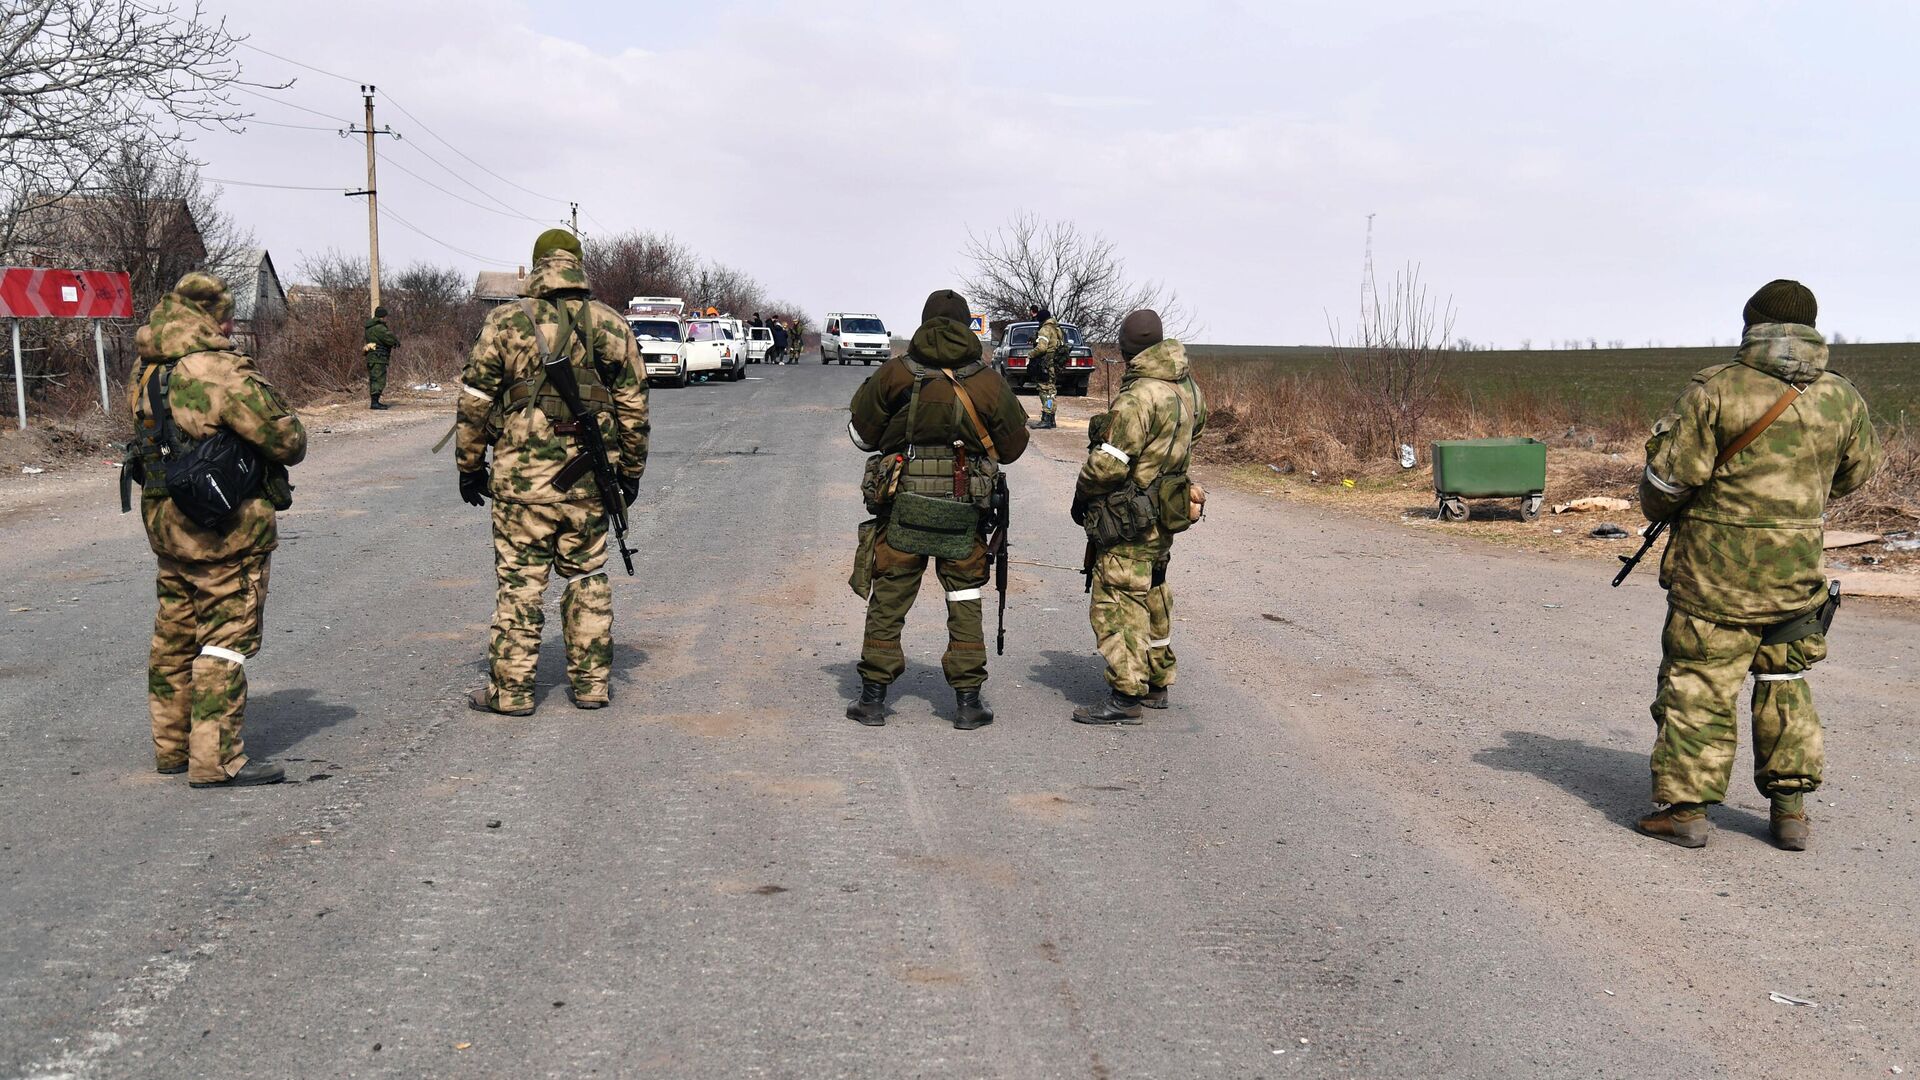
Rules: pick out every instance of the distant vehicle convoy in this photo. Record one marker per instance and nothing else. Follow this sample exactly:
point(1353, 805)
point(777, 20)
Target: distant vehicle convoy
point(858, 336)
point(1010, 357)
point(657, 325)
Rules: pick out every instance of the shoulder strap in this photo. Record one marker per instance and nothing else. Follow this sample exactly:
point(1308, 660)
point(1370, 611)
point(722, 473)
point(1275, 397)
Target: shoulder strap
point(1759, 427)
point(966, 402)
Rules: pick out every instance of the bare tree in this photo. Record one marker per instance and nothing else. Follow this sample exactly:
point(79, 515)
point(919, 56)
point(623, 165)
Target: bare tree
point(148, 214)
point(1394, 359)
point(639, 264)
point(82, 80)
point(1079, 276)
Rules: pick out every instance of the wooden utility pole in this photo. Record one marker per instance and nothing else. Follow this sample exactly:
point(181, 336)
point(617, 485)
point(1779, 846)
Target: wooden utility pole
point(373, 199)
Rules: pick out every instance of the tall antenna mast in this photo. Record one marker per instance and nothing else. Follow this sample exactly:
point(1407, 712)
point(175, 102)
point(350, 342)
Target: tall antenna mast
point(1366, 272)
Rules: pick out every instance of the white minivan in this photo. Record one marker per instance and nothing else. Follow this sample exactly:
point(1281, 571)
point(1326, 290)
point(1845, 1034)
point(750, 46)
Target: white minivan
point(850, 335)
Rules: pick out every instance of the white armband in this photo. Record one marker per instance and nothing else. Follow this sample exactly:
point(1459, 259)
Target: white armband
point(1671, 489)
point(861, 444)
point(1116, 453)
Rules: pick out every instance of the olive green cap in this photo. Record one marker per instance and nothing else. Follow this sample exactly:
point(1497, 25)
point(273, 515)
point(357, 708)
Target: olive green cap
point(555, 240)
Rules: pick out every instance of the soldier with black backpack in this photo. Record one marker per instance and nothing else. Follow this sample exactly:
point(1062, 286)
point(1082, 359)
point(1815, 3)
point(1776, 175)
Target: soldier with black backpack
point(212, 442)
point(554, 390)
point(940, 424)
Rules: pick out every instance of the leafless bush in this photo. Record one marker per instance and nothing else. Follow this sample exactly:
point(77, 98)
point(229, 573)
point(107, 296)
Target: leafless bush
point(1394, 359)
point(1080, 277)
point(1891, 500)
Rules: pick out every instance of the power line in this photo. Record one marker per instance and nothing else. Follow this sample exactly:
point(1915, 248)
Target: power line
point(282, 187)
point(415, 146)
point(275, 123)
point(291, 105)
point(423, 124)
point(386, 211)
point(298, 64)
point(462, 198)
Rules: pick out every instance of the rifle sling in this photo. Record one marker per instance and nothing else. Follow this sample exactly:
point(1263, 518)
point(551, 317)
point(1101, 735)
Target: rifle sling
point(966, 402)
point(1759, 427)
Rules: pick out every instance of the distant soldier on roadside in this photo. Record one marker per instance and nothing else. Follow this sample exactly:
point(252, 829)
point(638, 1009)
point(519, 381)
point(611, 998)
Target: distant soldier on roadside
point(189, 384)
point(1043, 361)
point(940, 424)
point(541, 523)
point(1744, 465)
point(1133, 495)
point(379, 348)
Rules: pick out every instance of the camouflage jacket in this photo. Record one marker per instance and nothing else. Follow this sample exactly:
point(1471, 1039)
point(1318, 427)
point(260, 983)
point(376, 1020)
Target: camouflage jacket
point(381, 337)
point(494, 411)
point(1157, 415)
point(211, 387)
point(1746, 547)
point(880, 406)
point(1048, 341)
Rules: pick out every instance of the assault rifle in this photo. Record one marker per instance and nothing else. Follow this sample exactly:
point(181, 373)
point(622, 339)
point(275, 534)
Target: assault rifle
point(1652, 536)
point(999, 519)
point(593, 451)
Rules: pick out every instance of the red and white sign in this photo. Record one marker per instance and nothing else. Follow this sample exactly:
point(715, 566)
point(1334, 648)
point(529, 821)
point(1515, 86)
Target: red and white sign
point(42, 293)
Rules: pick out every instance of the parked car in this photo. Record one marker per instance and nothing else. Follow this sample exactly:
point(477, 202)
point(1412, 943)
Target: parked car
point(1010, 357)
point(850, 335)
point(759, 343)
point(714, 349)
point(657, 326)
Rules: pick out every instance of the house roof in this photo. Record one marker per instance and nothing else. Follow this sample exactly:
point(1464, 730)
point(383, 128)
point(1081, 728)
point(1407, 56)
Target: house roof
point(251, 278)
point(496, 285)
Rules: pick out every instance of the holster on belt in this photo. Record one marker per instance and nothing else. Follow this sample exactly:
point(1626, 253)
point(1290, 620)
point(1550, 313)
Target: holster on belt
point(1817, 621)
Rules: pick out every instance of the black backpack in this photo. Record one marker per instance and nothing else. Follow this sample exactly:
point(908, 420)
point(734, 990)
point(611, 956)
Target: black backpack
point(206, 478)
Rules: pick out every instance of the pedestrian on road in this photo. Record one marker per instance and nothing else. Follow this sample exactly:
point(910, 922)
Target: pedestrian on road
point(547, 513)
point(1133, 495)
point(190, 384)
point(1043, 361)
point(940, 424)
point(779, 353)
point(1744, 465)
point(380, 343)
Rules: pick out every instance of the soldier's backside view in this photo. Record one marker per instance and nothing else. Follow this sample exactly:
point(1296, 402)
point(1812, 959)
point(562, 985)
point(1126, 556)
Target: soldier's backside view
point(942, 423)
point(1044, 359)
point(1133, 496)
point(379, 346)
point(1744, 465)
point(548, 515)
point(189, 386)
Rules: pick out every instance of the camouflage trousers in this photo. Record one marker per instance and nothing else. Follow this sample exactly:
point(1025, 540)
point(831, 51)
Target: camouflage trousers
point(207, 627)
point(896, 584)
point(529, 542)
point(1046, 383)
point(1132, 615)
point(376, 375)
point(1695, 713)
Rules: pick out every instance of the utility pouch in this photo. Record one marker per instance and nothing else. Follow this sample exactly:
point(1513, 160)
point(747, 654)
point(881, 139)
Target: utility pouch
point(1817, 621)
point(1122, 517)
point(881, 481)
point(1173, 502)
point(861, 580)
point(933, 526)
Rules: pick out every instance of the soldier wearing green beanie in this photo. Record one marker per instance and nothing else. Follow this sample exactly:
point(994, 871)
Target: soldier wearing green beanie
point(1744, 465)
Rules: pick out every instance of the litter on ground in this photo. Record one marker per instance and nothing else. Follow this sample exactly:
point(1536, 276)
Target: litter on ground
point(1593, 504)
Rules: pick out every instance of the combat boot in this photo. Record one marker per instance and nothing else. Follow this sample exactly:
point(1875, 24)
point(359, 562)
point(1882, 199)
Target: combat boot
point(252, 774)
point(1788, 824)
point(871, 709)
point(1117, 709)
point(587, 703)
point(1156, 698)
point(1044, 423)
point(376, 403)
point(1684, 824)
point(973, 713)
point(481, 701)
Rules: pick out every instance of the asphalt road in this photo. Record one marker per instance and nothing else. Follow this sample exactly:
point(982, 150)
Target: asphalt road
point(1384, 831)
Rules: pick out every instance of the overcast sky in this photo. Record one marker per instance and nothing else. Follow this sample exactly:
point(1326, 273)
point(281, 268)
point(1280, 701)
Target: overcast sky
point(1562, 170)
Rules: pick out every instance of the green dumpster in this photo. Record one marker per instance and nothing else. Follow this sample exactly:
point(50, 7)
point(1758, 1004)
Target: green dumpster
point(1511, 468)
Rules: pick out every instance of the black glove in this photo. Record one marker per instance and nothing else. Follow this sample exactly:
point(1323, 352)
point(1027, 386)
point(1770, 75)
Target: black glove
point(1079, 509)
point(473, 487)
point(629, 489)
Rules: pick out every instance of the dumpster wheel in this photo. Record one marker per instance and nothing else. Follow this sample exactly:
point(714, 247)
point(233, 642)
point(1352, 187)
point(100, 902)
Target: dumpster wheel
point(1530, 507)
point(1453, 508)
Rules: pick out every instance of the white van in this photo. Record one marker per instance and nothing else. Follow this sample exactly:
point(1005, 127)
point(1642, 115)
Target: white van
point(851, 335)
point(657, 326)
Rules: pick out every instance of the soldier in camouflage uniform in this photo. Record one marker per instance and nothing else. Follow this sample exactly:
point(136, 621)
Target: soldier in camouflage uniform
point(1148, 435)
point(1043, 361)
point(379, 348)
point(212, 583)
point(507, 406)
point(1743, 568)
point(913, 410)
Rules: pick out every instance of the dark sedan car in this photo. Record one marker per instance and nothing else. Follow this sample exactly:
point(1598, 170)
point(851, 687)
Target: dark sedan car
point(1010, 357)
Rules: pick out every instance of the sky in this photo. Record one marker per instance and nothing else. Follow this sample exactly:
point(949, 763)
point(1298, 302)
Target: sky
point(1628, 171)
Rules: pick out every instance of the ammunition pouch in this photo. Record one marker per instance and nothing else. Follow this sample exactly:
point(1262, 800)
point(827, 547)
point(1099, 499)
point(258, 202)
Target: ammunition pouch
point(1172, 497)
point(925, 470)
point(881, 482)
point(930, 525)
point(1125, 516)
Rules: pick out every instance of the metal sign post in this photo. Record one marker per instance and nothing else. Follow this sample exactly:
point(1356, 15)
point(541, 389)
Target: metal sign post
point(19, 377)
point(100, 353)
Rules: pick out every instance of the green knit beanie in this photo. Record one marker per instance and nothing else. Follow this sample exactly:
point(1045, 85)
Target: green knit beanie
point(946, 304)
point(555, 240)
point(1782, 301)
